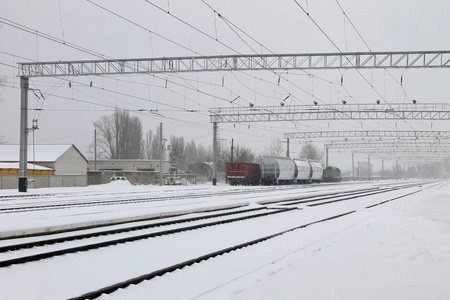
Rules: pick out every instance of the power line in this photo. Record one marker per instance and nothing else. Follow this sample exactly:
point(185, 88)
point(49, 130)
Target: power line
point(228, 24)
point(142, 27)
point(51, 38)
point(337, 47)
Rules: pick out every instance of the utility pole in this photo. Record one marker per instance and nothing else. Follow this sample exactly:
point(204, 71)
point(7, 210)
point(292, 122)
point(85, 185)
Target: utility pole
point(232, 150)
point(95, 147)
point(326, 155)
point(23, 155)
point(353, 166)
point(357, 174)
point(161, 153)
point(214, 179)
point(287, 148)
point(368, 162)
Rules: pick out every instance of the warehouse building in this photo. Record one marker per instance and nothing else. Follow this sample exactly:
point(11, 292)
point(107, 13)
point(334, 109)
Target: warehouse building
point(49, 166)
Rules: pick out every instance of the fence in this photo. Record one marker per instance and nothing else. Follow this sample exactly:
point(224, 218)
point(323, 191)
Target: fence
point(134, 177)
point(11, 181)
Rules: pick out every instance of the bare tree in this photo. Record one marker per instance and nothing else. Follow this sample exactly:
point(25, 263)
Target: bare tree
point(191, 153)
point(148, 145)
point(120, 136)
point(243, 154)
point(2, 138)
point(275, 148)
point(311, 152)
point(156, 150)
point(177, 148)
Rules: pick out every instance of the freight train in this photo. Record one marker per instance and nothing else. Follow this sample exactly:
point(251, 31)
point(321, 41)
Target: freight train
point(275, 171)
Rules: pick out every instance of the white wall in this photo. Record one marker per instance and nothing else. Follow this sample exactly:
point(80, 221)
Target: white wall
point(71, 163)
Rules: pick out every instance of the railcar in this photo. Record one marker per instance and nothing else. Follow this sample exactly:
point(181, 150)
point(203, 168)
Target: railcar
point(243, 173)
point(303, 171)
point(332, 174)
point(276, 170)
point(316, 171)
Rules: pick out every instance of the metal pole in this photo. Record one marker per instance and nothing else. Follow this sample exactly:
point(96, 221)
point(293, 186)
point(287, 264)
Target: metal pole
point(214, 179)
point(23, 156)
point(368, 162)
point(232, 150)
point(287, 149)
point(326, 151)
point(95, 148)
point(161, 153)
point(353, 166)
point(382, 168)
point(357, 174)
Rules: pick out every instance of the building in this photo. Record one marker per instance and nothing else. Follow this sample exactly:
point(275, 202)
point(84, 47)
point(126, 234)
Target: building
point(49, 166)
point(136, 171)
point(128, 165)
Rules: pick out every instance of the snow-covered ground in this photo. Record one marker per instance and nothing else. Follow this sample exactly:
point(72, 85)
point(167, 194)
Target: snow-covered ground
point(399, 250)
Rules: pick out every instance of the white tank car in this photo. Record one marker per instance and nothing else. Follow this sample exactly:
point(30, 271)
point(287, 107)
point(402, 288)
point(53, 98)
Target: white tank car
point(275, 170)
point(303, 171)
point(317, 171)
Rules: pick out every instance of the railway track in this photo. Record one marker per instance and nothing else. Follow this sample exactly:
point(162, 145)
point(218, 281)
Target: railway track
point(114, 199)
point(161, 272)
point(49, 201)
point(170, 227)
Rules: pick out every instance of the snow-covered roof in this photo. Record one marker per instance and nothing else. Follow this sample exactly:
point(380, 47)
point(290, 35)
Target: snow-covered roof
point(15, 165)
point(41, 153)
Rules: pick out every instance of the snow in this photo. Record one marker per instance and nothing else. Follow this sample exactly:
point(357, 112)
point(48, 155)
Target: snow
point(47, 153)
point(399, 250)
point(16, 166)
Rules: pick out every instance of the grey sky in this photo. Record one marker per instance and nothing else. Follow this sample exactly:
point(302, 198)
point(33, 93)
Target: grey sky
point(281, 26)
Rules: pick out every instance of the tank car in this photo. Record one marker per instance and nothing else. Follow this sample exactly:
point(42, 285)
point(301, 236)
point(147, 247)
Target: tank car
point(275, 170)
point(303, 171)
point(243, 173)
point(316, 171)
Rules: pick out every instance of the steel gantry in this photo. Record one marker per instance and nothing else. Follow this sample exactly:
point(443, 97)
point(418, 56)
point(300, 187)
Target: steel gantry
point(331, 112)
point(319, 61)
point(350, 60)
point(369, 134)
point(389, 144)
point(404, 150)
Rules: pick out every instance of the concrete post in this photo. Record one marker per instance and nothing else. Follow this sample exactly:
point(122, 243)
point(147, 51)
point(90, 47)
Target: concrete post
point(287, 148)
point(23, 156)
point(353, 166)
point(214, 179)
point(161, 153)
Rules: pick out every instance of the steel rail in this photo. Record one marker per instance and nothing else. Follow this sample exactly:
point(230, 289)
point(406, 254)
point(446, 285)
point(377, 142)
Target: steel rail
point(136, 280)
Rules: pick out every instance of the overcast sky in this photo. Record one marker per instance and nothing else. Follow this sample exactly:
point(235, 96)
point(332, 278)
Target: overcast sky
point(68, 112)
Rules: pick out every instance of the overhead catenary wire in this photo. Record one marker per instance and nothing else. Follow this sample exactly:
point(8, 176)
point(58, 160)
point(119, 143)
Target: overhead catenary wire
point(279, 76)
point(269, 81)
point(52, 38)
point(179, 19)
point(340, 51)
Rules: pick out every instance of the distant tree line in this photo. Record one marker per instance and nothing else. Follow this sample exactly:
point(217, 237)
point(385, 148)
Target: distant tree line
point(2, 82)
point(120, 136)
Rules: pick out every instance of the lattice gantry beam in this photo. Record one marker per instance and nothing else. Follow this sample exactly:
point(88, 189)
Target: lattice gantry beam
point(369, 134)
point(391, 144)
point(351, 60)
point(331, 112)
point(417, 159)
point(405, 151)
